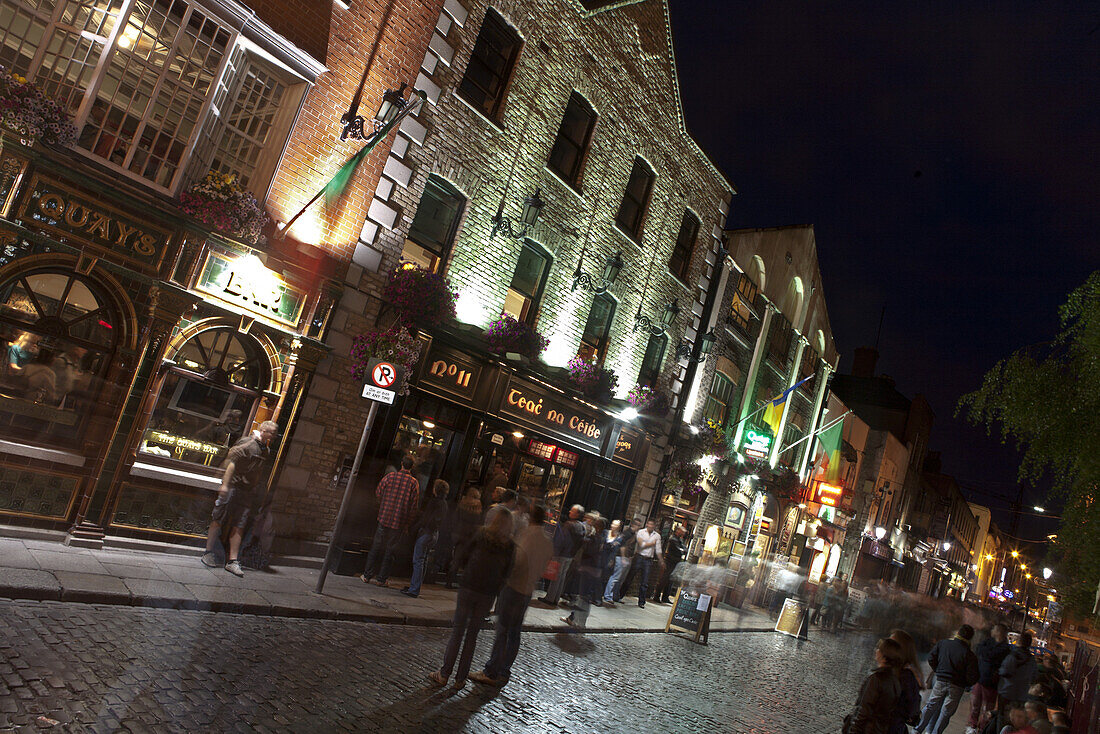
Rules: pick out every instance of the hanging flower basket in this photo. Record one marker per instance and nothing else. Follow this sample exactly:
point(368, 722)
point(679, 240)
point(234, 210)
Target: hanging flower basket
point(595, 382)
point(395, 345)
point(31, 115)
point(648, 400)
point(222, 204)
point(507, 334)
point(685, 476)
point(419, 297)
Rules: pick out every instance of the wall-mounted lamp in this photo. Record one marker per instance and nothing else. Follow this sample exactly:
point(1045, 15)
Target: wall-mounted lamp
point(611, 269)
point(668, 316)
point(393, 102)
point(683, 349)
point(880, 532)
point(529, 215)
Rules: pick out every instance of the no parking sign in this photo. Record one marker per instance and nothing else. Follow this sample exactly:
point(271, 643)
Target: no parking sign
point(382, 378)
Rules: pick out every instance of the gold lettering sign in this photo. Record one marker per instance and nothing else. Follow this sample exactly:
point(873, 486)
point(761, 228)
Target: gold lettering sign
point(244, 282)
point(557, 416)
point(452, 373)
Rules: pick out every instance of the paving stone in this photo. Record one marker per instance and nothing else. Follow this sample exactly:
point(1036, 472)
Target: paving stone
point(26, 583)
point(67, 560)
point(92, 587)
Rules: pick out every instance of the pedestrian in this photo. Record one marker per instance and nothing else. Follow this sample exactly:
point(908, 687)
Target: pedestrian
point(879, 694)
point(427, 532)
point(833, 604)
point(907, 712)
point(1059, 723)
point(488, 560)
point(1017, 670)
point(611, 547)
point(955, 667)
point(646, 556)
point(466, 521)
point(398, 497)
point(533, 551)
point(817, 599)
point(991, 653)
point(1018, 723)
point(616, 585)
point(567, 541)
point(588, 573)
point(509, 502)
point(1037, 716)
point(674, 556)
point(239, 494)
point(521, 517)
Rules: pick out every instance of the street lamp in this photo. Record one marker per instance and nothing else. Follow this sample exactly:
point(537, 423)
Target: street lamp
point(947, 545)
point(612, 266)
point(880, 532)
point(1015, 554)
point(641, 321)
point(683, 349)
point(393, 102)
point(1047, 573)
point(529, 215)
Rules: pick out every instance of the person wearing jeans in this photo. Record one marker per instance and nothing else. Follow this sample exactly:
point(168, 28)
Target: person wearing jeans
point(427, 532)
point(956, 669)
point(398, 496)
point(567, 541)
point(991, 653)
point(648, 552)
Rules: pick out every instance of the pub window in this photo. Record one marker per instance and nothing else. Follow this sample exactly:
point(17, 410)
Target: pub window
point(717, 408)
point(680, 262)
point(60, 334)
point(434, 225)
point(144, 80)
point(208, 397)
point(597, 329)
point(779, 346)
point(525, 290)
point(490, 66)
point(635, 199)
point(743, 299)
point(654, 359)
point(567, 155)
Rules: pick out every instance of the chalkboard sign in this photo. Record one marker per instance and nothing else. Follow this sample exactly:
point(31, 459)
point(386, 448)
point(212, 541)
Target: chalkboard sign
point(792, 620)
point(691, 615)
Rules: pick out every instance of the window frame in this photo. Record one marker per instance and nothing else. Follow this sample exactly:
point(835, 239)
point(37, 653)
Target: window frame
point(532, 301)
point(633, 230)
point(779, 342)
point(582, 146)
point(599, 348)
point(649, 374)
point(493, 21)
point(711, 400)
point(440, 257)
point(679, 262)
point(744, 296)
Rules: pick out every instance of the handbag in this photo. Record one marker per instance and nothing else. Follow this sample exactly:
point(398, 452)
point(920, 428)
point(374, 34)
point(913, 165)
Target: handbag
point(553, 568)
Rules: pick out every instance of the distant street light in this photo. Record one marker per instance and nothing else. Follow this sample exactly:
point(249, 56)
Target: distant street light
point(947, 545)
point(1047, 573)
point(1039, 509)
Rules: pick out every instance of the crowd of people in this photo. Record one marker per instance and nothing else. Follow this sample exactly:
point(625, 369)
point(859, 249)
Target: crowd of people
point(1013, 688)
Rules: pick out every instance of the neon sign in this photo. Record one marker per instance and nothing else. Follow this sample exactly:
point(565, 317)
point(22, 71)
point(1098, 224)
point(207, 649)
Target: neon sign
point(757, 444)
point(829, 494)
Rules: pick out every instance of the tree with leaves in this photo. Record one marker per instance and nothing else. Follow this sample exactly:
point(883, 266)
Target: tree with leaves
point(1046, 399)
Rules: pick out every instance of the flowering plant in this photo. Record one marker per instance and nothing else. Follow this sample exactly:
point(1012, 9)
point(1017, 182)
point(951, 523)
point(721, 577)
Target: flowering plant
point(506, 334)
point(685, 475)
point(647, 399)
point(420, 297)
point(395, 345)
point(220, 202)
point(593, 381)
point(30, 114)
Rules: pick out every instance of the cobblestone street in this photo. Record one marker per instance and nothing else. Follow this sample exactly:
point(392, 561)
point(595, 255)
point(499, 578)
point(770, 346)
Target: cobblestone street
point(103, 668)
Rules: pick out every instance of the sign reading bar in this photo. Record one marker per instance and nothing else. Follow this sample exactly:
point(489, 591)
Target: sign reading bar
point(540, 408)
point(793, 620)
point(691, 615)
point(452, 373)
point(243, 281)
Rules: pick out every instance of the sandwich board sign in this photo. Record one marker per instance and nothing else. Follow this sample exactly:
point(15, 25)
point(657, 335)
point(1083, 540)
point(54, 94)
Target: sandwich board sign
point(690, 615)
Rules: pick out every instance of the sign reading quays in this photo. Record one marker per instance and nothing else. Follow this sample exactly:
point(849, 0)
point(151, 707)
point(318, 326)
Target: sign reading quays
point(557, 416)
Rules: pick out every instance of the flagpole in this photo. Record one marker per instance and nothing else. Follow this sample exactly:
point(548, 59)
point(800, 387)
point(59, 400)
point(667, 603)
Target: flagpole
point(360, 154)
point(764, 407)
point(815, 433)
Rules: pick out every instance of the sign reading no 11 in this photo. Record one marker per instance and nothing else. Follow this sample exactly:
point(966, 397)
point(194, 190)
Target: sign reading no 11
point(382, 380)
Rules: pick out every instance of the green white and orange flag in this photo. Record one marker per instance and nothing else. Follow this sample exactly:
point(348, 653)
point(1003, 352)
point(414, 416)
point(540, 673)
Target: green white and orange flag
point(828, 453)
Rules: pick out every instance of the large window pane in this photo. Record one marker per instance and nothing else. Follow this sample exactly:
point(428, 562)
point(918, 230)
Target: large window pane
point(491, 61)
point(597, 329)
point(635, 199)
point(567, 155)
point(434, 225)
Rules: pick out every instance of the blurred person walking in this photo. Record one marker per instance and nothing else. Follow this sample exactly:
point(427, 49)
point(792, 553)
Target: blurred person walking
point(466, 521)
point(588, 573)
point(674, 556)
point(955, 667)
point(879, 694)
point(398, 496)
point(991, 653)
point(907, 712)
point(567, 541)
point(488, 560)
point(613, 592)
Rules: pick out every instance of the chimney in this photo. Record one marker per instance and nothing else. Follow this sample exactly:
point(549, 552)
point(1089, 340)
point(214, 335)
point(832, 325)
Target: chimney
point(863, 362)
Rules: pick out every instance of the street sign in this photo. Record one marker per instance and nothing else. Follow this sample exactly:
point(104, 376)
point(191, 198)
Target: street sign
point(382, 379)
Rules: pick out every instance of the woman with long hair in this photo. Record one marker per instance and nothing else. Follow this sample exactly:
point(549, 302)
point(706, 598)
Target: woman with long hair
point(487, 560)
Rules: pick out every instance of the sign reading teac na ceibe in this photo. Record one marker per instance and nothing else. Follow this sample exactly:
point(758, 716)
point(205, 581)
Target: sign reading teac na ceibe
point(382, 380)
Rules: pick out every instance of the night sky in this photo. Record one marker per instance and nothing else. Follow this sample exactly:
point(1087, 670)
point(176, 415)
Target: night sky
point(948, 159)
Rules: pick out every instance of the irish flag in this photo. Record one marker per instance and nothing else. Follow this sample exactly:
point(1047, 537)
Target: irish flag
point(828, 453)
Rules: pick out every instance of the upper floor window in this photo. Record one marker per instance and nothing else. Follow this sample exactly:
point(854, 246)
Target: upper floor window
point(635, 199)
point(567, 155)
point(779, 345)
point(597, 329)
point(719, 398)
point(743, 299)
point(680, 262)
point(434, 225)
point(151, 86)
point(529, 277)
point(654, 359)
point(490, 66)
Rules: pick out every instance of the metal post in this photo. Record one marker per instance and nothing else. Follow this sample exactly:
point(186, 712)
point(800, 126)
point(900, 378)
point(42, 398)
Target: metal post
point(347, 496)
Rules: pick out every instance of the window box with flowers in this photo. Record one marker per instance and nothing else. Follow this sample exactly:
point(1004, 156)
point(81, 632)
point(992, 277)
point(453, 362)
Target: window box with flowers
point(648, 400)
point(219, 202)
point(508, 334)
point(30, 115)
point(419, 297)
point(594, 381)
point(395, 345)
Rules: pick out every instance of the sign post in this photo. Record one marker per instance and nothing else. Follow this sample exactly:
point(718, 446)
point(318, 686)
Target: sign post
point(382, 377)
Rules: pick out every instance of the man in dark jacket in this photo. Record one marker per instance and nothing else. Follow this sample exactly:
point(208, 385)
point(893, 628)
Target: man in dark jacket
point(956, 669)
point(983, 696)
point(427, 531)
point(1017, 670)
point(674, 555)
point(567, 541)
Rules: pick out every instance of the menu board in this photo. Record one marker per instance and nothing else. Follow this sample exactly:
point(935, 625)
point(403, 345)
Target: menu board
point(690, 614)
point(792, 620)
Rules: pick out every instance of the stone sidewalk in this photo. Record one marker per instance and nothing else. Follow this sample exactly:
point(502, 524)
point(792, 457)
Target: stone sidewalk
point(47, 569)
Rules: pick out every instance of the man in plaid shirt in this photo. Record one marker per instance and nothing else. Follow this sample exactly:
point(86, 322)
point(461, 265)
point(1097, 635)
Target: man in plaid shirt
point(398, 497)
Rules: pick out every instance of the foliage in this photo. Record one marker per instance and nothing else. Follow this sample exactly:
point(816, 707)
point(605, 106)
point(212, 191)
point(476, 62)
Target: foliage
point(595, 382)
point(508, 334)
point(648, 399)
point(30, 114)
point(395, 345)
point(684, 475)
point(420, 297)
point(1046, 399)
point(220, 202)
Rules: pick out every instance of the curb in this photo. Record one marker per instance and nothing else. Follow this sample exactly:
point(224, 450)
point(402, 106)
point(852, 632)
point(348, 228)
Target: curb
point(80, 596)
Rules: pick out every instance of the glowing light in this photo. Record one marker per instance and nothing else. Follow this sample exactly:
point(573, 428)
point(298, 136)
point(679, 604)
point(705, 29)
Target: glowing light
point(1047, 573)
point(708, 460)
point(947, 545)
point(471, 309)
point(1039, 508)
point(829, 494)
point(880, 532)
point(427, 424)
point(128, 37)
point(1015, 554)
point(517, 434)
point(988, 557)
point(629, 413)
point(694, 430)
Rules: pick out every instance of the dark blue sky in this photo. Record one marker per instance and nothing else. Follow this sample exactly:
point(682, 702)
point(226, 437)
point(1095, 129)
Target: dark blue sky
point(949, 159)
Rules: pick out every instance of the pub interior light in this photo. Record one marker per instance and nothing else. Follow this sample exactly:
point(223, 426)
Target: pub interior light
point(517, 434)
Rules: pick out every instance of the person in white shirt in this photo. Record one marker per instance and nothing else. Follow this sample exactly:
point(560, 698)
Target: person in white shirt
point(647, 553)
